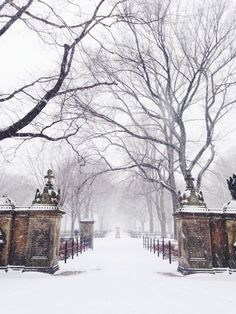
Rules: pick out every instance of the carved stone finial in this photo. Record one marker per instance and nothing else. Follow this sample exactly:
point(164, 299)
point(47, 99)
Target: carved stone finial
point(190, 197)
point(189, 181)
point(232, 186)
point(49, 176)
point(48, 196)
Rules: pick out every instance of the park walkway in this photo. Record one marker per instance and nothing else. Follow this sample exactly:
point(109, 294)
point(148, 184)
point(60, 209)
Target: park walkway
point(117, 277)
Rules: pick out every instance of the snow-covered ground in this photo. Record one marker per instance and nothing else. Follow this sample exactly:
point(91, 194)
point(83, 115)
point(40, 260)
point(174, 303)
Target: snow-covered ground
point(117, 277)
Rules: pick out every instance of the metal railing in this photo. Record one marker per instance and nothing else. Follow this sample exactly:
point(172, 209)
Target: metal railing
point(73, 247)
point(140, 234)
point(100, 234)
point(163, 247)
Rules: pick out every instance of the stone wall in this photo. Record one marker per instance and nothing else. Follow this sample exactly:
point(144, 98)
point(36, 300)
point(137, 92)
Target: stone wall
point(6, 227)
point(206, 240)
point(32, 238)
point(19, 238)
point(230, 229)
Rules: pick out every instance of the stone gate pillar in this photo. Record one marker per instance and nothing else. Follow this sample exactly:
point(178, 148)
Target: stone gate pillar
point(30, 236)
point(7, 209)
point(193, 230)
point(206, 238)
point(42, 251)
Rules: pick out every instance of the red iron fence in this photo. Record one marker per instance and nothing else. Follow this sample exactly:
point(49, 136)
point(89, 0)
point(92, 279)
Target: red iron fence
point(165, 248)
point(73, 247)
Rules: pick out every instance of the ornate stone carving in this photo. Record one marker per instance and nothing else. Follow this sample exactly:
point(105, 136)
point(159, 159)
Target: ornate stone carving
point(6, 201)
point(232, 186)
point(40, 243)
point(231, 205)
point(49, 196)
point(190, 197)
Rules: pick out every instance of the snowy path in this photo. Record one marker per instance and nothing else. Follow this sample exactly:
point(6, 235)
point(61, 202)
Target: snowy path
point(118, 277)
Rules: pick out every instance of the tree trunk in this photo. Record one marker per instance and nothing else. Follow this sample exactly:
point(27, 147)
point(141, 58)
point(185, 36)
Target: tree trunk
point(163, 213)
point(163, 227)
point(142, 226)
point(172, 182)
point(160, 210)
point(72, 225)
point(150, 213)
point(174, 206)
point(101, 223)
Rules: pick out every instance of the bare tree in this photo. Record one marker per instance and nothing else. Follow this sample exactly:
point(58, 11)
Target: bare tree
point(37, 108)
point(149, 168)
point(175, 74)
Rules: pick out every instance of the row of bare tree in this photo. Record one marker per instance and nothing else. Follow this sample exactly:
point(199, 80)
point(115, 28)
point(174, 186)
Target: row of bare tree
point(144, 86)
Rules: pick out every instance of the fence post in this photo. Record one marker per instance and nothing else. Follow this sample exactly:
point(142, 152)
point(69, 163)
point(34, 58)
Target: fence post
point(150, 245)
point(81, 245)
point(169, 252)
point(65, 257)
point(84, 242)
point(158, 247)
point(154, 245)
point(77, 246)
point(72, 248)
point(163, 248)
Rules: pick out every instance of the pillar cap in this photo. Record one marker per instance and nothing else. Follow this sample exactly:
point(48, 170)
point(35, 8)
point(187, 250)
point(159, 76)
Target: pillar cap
point(190, 197)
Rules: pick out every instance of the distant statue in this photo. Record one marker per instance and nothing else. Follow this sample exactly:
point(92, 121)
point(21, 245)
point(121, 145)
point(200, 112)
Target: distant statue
point(117, 234)
point(232, 186)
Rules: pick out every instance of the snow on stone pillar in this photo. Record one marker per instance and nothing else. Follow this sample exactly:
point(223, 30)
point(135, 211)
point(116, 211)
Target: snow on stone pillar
point(206, 238)
point(30, 236)
point(44, 229)
point(7, 207)
point(193, 230)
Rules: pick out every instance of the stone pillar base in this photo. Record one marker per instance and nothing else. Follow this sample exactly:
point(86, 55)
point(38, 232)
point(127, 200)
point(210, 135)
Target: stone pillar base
point(190, 271)
point(49, 270)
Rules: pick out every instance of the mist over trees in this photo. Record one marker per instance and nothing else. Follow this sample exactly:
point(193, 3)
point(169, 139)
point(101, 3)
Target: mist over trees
point(139, 88)
point(18, 187)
